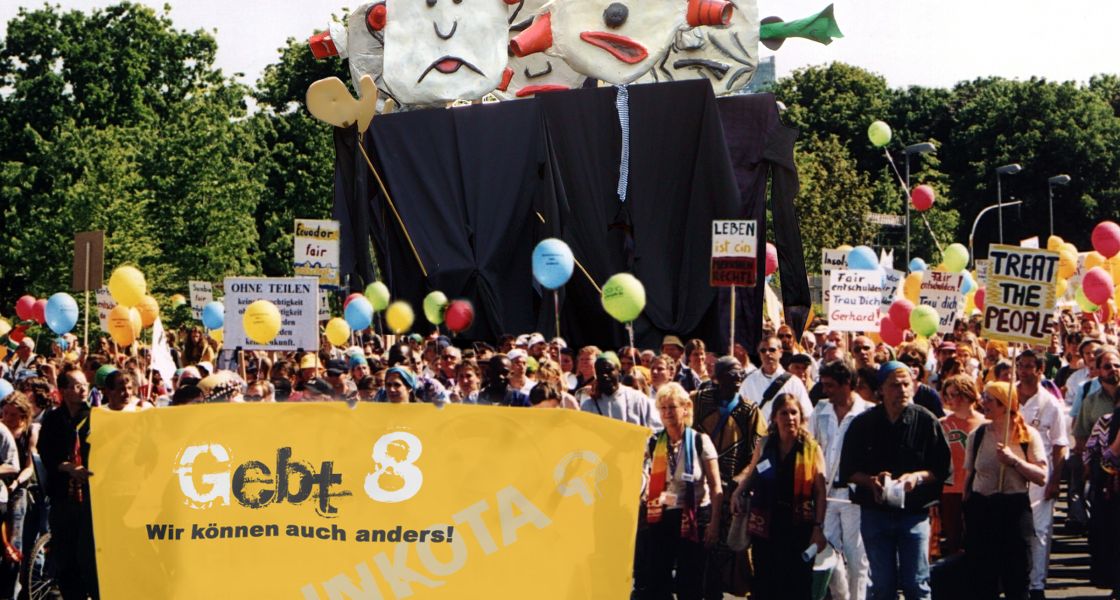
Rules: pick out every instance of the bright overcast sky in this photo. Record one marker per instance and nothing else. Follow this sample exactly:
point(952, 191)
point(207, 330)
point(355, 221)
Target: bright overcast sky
point(911, 42)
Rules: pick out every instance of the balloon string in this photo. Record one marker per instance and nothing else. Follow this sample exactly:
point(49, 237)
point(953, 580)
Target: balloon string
point(906, 190)
point(576, 260)
point(389, 201)
point(556, 304)
point(630, 330)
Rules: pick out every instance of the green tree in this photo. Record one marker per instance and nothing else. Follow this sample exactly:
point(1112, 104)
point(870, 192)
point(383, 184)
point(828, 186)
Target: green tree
point(834, 198)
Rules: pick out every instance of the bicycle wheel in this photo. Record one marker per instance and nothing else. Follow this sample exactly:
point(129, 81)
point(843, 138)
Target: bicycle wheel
point(37, 577)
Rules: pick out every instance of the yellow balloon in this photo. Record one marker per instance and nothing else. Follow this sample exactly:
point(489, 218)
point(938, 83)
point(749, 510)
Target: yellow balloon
point(149, 310)
point(912, 286)
point(261, 321)
point(1062, 287)
point(941, 267)
point(399, 316)
point(127, 286)
point(1067, 263)
point(135, 321)
point(5, 327)
point(120, 325)
point(178, 300)
point(1093, 259)
point(1054, 243)
point(969, 302)
point(217, 335)
point(1068, 247)
point(338, 331)
point(845, 248)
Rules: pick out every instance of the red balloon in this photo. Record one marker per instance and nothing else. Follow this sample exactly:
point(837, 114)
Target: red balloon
point(1106, 238)
point(18, 333)
point(24, 307)
point(349, 298)
point(978, 299)
point(1098, 286)
point(459, 315)
point(771, 259)
point(900, 313)
point(890, 333)
point(39, 312)
point(921, 197)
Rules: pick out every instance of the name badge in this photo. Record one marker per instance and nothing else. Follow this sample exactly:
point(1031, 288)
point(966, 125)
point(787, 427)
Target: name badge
point(763, 466)
point(668, 499)
point(688, 477)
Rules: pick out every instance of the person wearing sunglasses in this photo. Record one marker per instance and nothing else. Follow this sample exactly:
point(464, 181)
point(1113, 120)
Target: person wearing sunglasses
point(770, 379)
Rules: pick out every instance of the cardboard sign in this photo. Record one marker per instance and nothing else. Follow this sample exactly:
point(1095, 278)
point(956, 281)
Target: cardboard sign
point(105, 303)
point(324, 305)
point(1020, 294)
point(89, 261)
point(942, 291)
point(316, 251)
point(734, 253)
point(982, 268)
point(202, 293)
point(298, 301)
point(832, 260)
point(856, 300)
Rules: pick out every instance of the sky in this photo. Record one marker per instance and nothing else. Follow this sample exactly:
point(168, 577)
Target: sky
point(910, 42)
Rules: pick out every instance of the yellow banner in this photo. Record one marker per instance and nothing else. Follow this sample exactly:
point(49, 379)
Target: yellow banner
point(381, 501)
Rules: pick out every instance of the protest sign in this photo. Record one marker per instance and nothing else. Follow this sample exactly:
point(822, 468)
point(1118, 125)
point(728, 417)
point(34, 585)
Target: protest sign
point(298, 301)
point(856, 300)
point(105, 303)
point(316, 251)
point(202, 293)
point(319, 500)
point(942, 291)
point(831, 260)
point(892, 279)
point(734, 253)
point(1020, 295)
point(982, 266)
point(324, 305)
point(89, 261)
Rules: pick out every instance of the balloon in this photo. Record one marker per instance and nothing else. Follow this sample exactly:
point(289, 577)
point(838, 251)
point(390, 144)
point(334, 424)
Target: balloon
point(178, 300)
point(24, 307)
point(1062, 287)
point(399, 316)
point(63, 344)
point(879, 133)
point(5, 388)
point(1067, 263)
point(922, 198)
point(378, 295)
point(967, 283)
point(135, 322)
point(5, 327)
point(624, 297)
point(1068, 247)
point(434, 305)
point(1106, 238)
point(912, 287)
point(1083, 302)
point(214, 315)
point(924, 320)
point(1054, 243)
point(1097, 285)
point(1093, 259)
point(120, 325)
point(338, 332)
point(18, 333)
point(350, 299)
point(39, 312)
point(771, 259)
point(978, 298)
point(62, 313)
point(969, 303)
point(358, 314)
point(862, 258)
point(217, 335)
point(552, 263)
point(890, 332)
point(261, 321)
point(149, 310)
point(844, 248)
point(955, 257)
point(917, 264)
point(127, 286)
point(899, 313)
point(459, 315)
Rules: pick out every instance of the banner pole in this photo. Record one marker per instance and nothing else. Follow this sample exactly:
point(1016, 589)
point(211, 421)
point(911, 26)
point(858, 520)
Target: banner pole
point(556, 306)
point(1007, 425)
point(731, 338)
point(85, 336)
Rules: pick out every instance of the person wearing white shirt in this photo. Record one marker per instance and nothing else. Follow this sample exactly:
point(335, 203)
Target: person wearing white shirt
point(758, 382)
point(1043, 412)
point(828, 424)
point(617, 401)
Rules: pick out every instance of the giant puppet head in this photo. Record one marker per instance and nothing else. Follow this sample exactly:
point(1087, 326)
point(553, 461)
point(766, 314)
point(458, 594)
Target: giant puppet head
point(726, 56)
point(616, 41)
point(529, 75)
point(361, 42)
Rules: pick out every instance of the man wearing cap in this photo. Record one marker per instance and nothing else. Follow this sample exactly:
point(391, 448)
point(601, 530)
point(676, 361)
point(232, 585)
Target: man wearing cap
point(770, 380)
point(820, 335)
point(498, 391)
point(537, 346)
point(518, 375)
point(672, 346)
point(25, 359)
point(338, 376)
point(309, 367)
point(801, 365)
point(618, 401)
point(898, 458)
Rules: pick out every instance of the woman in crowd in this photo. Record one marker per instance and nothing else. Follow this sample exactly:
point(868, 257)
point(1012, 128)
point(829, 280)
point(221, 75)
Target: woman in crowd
point(194, 347)
point(549, 372)
point(787, 504)
point(695, 371)
point(998, 522)
point(15, 413)
point(119, 393)
point(961, 398)
point(1102, 455)
point(400, 386)
point(468, 382)
point(682, 506)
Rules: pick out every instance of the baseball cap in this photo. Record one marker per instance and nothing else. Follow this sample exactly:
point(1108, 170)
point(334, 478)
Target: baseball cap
point(535, 339)
point(416, 338)
point(516, 354)
point(309, 361)
point(27, 343)
point(522, 340)
point(947, 347)
point(336, 367)
point(672, 340)
point(821, 330)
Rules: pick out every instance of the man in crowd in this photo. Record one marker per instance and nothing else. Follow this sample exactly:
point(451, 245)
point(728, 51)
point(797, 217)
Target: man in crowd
point(498, 390)
point(449, 359)
point(673, 347)
point(764, 384)
point(518, 372)
point(863, 352)
point(617, 401)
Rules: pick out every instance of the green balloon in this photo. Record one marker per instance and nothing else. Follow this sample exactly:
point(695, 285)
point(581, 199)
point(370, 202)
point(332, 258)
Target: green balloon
point(1085, 303)
point(924, 320)
point(955, 258)
point(879, 133)
point(624, 297)
point(435, 304)
point(378, 295)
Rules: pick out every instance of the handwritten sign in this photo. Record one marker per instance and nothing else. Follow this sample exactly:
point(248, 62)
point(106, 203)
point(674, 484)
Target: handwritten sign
point(857, 300)
point(831, 260)
point(942, 291)
point(734, 253)
point(1020, 294)
point(202, 293)
point(316, 251)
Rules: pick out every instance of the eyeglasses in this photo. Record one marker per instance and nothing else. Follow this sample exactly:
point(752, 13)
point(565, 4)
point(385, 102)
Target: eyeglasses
point(253, 398)
point(768, 350)
point(449, 357)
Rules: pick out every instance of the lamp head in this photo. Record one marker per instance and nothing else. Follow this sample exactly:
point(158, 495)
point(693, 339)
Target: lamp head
point(922, 148)
point(1059, 180)
point(1009, 169)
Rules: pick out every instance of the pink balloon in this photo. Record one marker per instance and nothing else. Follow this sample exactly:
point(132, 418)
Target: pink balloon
point(39, 312)
point(978, 299)
point(890, 333)
point(771, 259)
point(922, 197)
point(349, 298)
point(1098, 286)
point(24, 307)
point(899, 312)
point(1106, 238)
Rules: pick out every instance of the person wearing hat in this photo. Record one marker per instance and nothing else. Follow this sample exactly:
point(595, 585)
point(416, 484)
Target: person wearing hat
point(616, 401)
point(801, 366)
point(518, 371)
point(338, 376)
point(537, 346)
point(898, 458)
point(309, 367)
point(25, 358)
point(498, 391)
point(672, 346)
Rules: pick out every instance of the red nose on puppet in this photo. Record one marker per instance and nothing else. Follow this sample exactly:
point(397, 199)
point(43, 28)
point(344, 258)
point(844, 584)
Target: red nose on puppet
point(709, 12)
point(536, 38)
point(322, 45)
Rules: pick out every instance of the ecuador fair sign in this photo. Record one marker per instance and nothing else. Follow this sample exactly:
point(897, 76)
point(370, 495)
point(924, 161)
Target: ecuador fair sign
point(318, 500)
point(1020, 294)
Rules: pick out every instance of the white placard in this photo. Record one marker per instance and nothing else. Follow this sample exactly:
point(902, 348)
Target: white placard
point(316, 251)
point(856, 300)
point(104, 305)
point(202, 293)
point(892, 287)
point(831, 260)
point(324, 306)
point(942, 291)
point(298, 301)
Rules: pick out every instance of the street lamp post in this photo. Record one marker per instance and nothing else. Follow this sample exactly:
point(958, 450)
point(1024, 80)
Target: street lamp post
point(1050, 183)
point(1004, 170)
point(976, 221)
point(922, 148)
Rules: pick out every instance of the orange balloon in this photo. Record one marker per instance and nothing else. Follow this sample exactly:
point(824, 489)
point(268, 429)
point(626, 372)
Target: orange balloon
point(149, 310)
point(120, 325)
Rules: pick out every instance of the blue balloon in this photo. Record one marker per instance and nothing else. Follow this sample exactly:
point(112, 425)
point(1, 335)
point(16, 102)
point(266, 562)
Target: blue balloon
point(917, 264)
point(553, 263)
point(5, 388)
point(61, 313)
point(358, 313)
point(968, 284)
point(862, 258)
point(62, 343)
point(214, 315)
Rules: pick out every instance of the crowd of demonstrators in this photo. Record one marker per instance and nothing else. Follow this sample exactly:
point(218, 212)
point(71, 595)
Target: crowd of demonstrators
point(890, 455)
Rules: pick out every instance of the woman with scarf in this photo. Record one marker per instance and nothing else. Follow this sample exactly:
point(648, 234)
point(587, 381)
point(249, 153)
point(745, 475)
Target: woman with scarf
point(999, 526)
point(787, 491)
point(1102, 455)
point(682, 507)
